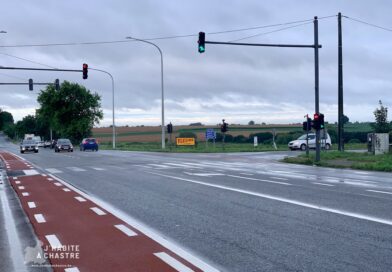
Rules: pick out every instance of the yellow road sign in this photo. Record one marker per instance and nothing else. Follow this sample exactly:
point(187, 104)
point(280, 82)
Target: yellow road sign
point(185, 141)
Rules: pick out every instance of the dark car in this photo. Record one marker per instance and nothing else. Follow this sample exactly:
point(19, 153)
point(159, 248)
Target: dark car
point(28, 145)
point(89, 144)
point(63, 145)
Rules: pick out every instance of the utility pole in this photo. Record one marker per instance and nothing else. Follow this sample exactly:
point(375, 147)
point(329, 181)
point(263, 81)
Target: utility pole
point(340, 85)
point(316, 83)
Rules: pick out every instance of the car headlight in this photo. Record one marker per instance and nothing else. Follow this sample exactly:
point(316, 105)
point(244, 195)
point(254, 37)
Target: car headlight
point(23, 148)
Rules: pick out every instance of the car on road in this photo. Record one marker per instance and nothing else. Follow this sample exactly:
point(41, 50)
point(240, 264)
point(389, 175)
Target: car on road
point(63, 145)
point(89, 144)
point(47, 144)
point(28, 145)
point(300, 143)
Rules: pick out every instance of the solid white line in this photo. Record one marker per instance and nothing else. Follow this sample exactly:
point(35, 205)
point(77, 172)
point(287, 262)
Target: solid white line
point(80, 199)
point(25, 194)
point(53, 241)
point(248, 174)
point(173, 262)
point(153, 234)
point(40, 218)
point(285, 200)
point(381, 192)
point(263, 180)
point(72, 269)
point(58, 184)
point(31, 205)
point(323, 184)
point(98, 169)
point(21, 187)
point(66, 190)
point(17, 182)
point(97, 211)
point(126, 230)
point(279, 178)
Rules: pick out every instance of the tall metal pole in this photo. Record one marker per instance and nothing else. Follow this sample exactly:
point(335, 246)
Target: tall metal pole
point(162, 89)
point(340, 86)
point(113, 122)
point(316, 85)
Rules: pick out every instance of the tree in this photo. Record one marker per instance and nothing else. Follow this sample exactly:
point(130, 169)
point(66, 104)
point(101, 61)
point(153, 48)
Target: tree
point(6, 119)
point(381, 116)
point(251, 123)
point(345, 119)
point(71, 111)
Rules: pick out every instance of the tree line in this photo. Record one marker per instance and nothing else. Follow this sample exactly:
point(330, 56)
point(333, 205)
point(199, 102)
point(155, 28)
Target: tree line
point(69, 112)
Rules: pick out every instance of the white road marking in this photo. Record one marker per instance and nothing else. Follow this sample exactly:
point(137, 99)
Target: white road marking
point(285, 200)
point(97, 211)
point(21, 187)
point(25, 194)
point(279, 178)
point(58, 184)
point(76, 169)
point(53, 241)
point(161, 166)
point(14, 177)
point(181, 165)
point(144, 229)
point(98, 169)
point(44, 175)
point(53, 170)
point(66, 190)
point(50, 179)
point(126, 230)
point(323, 184)
point(40, 218)
point(247, 174)
point(17, 182)
point(204, 174)
point(72, 269)
point(173, 262)
point(381, 192)
point(31, 205)
point(263, 180)
point(31, 172)
point(80, 199)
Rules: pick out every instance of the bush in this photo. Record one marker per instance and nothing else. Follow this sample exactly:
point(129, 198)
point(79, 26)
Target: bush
point(187, 134)
point(261, 137)
point(240, 139)
point(361, 136)
point(354, 141)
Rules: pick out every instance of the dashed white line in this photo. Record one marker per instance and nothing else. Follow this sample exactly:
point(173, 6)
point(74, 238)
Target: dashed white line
point(173, 262)
point(58, 184)
point(40, 218)
point(21, 187)
point(30, 172)
point(97, 211)
point(15, 178)
point(76, 169)
point(44, 175)
point(31, 205)
point(279, 178)
point(66, 190)
point(263, 180)
point(53, 170)
point(25, 194)
point(126, 230)
point(80, 199)
point(17, 182)
point(72, 269)
point(50, 179)
point(98, 169)
point(323, 184)
point(381, 192)
point(53, 241)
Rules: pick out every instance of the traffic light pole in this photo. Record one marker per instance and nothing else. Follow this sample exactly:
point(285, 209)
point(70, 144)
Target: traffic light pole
point(39, 69)
point(316, 47)
point(316, 84)
point(340, 85)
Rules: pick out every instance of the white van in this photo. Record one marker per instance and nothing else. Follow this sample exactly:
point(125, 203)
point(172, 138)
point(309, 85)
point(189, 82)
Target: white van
point(300, 143)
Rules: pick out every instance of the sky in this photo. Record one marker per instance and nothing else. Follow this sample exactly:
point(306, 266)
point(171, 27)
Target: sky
point(237, 83)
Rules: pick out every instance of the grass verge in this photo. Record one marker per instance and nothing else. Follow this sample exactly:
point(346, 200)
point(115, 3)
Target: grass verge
point(354, 160)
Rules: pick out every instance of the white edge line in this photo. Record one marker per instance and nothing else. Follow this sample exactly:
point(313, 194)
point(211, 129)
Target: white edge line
point(323, 184)
point(285, 200)
point(381, 192)
point(153, 234)
point(173, 262)
point(263, 180)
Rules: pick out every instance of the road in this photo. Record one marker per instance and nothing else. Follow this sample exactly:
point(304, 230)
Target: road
point(242, 211)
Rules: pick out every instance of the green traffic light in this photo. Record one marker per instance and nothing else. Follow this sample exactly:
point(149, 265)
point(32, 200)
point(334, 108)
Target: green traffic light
point(201, 49)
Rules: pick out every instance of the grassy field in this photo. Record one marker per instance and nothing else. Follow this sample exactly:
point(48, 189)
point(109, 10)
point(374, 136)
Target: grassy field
point(354, 160)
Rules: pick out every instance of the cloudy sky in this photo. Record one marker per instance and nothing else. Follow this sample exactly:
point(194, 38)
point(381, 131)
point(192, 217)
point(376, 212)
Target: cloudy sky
point(272, 85)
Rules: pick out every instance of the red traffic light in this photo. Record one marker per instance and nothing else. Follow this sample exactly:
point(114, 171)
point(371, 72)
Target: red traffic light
point(85, 71)
point(316, 116)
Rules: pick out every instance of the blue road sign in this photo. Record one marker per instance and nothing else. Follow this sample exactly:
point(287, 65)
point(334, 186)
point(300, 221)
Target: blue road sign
point(210, 134)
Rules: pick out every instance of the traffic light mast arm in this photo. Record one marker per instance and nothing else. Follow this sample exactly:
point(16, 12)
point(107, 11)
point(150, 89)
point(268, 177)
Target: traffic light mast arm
point(266, 45)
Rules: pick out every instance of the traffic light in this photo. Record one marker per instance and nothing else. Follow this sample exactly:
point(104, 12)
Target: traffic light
point(321, 117)
point(202, 40)
point(316, 121)
point(170, 128)
point(307, 125)
point(57, 84)
point(31, 85)
point(224, 127)
point(85, 71)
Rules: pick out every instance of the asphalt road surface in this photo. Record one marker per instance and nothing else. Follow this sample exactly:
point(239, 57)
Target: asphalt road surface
point(241, 211)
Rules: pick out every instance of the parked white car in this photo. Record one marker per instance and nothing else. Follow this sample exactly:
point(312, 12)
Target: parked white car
point(300, 143)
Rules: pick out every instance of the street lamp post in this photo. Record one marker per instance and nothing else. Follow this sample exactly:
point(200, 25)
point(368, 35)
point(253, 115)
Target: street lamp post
point(113, 125)
point(162, 99)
